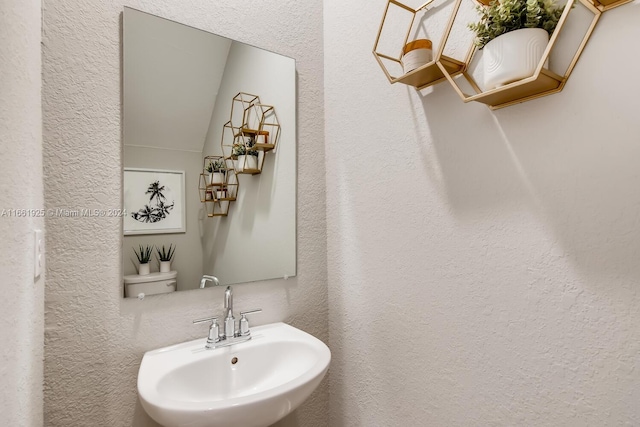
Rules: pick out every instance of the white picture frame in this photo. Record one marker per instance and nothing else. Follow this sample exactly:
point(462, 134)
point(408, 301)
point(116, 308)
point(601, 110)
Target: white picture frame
point(154, 201)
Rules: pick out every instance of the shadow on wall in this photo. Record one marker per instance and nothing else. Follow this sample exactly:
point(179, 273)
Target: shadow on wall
point(477, 170)
point(573, 157)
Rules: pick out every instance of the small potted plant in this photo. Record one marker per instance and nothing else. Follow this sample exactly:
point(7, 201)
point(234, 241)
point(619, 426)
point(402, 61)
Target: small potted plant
point(218, 172)
point(144, 256)
point(209, 175)
point(514, 35)
point(247, 158)
point(165, 256)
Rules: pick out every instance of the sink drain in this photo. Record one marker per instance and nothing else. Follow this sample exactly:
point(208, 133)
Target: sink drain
point(234, 360)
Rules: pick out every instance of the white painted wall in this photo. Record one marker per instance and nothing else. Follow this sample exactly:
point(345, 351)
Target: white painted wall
point(257, 240)
point(483, 267)
point(95, 339)
point(22, 302)
point(171, 80)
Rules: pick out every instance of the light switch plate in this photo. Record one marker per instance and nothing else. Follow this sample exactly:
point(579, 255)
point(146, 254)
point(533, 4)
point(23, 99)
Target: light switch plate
point(38, 256)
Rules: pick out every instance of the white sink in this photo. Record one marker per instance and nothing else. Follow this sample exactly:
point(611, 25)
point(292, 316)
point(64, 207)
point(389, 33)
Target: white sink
point(273, 373)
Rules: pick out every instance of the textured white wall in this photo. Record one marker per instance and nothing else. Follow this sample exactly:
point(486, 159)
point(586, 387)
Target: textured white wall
point(94, 338)
point(483, 267)
point(22, 302)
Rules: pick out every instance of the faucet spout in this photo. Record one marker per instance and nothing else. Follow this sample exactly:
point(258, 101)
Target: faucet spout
point(229, 320)
point(228, 302)
point(206, 279)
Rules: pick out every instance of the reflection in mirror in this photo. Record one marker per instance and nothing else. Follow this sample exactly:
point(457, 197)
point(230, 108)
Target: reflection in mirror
point(179, 84)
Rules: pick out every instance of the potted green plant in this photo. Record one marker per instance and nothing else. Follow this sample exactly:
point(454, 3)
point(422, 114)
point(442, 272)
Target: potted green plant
point(247, 158)
point(209, 174)
point(514, 35)
point(165, 256)
point(144, 256)
point(218, 172)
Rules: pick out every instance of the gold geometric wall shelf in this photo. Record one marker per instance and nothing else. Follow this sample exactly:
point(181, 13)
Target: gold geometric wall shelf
point(544, 81)
point(462, 70)
point(252, 131)
point(241, 150)
point(218, 189)
point(390, 56)
point(261, 122)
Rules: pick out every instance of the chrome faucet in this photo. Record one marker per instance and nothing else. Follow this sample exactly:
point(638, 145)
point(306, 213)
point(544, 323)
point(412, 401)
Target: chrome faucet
point(229, 335)
point(229, 320)
point(206, 279)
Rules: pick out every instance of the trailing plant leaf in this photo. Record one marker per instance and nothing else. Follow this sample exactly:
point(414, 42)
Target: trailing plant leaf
point(509, 15)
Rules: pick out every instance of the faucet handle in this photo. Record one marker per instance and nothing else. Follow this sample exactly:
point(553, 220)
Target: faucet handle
point(256, 310)
point(214, 335)
point(244, 323)
point(207, 319)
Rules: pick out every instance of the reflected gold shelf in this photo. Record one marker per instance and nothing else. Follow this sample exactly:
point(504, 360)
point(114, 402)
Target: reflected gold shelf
point(247, 171)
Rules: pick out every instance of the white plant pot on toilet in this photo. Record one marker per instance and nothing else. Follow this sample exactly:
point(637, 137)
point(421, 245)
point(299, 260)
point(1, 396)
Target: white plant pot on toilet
point(144, 269)
point(165, 266)
point(513, 56)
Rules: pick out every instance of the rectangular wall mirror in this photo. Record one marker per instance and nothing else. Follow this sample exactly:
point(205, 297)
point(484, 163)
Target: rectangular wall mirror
point(191, 99)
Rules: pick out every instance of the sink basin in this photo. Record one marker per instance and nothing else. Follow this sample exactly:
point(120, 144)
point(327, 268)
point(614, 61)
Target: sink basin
point(250, 384)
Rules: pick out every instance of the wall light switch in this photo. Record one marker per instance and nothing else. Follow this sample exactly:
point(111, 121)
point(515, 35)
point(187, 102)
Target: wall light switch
point(38, 256)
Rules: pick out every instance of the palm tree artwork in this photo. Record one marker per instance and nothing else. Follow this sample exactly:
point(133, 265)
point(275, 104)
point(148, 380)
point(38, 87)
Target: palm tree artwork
point(154, 213)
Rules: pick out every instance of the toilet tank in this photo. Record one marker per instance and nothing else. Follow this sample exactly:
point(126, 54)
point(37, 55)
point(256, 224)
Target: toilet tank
point(150, 284)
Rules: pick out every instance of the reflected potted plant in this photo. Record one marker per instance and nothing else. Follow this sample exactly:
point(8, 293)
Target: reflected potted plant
point(514, 35)
point(247, 158)
point(209, 174)
point(144, 256)
point(218, 171)
point(165, 256)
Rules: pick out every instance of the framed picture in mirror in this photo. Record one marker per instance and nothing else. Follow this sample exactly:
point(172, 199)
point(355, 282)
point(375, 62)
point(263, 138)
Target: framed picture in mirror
point(153, 201)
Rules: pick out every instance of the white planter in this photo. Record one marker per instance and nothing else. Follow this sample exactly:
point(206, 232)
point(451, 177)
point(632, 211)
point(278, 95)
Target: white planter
point(416, 59)
point(165, 266)
point(144, 269)
point(415, 54)
point(247, 162)
point(513, 56)
point(217, 178)
point(207, 178)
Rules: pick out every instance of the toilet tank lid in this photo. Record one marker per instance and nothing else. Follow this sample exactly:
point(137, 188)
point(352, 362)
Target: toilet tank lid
point(152, 277)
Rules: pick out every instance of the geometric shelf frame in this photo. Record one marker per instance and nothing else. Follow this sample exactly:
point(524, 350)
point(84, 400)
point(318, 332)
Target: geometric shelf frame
point(218, 190)
point(232, 136)
point(261, 122)
point(253, 129)
point(390, 56)
point(256, 131)
point(544, 81)
point(244, 142)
